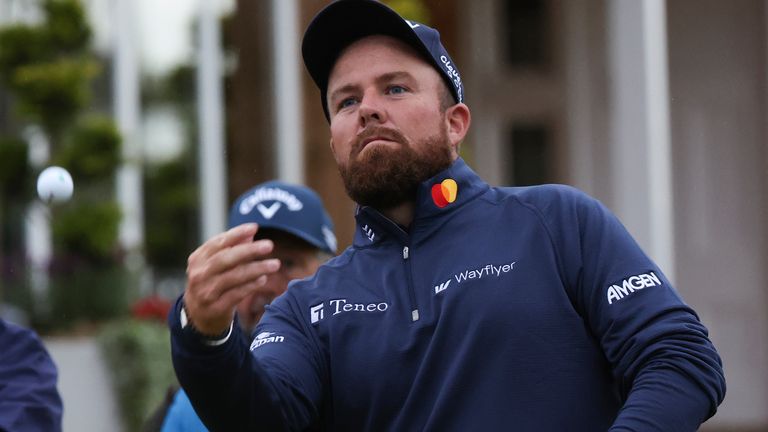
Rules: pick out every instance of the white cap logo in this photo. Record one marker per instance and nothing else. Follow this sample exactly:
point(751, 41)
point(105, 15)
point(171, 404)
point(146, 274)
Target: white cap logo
point(279, 196)
point(412, 24)
point(268, 212)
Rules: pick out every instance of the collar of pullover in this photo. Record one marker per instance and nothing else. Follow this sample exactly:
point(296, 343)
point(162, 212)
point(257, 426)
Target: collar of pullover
point(437, 198)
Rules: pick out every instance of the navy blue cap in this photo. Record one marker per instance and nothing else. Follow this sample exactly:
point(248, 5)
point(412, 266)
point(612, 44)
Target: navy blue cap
point(345, 21)
point(294, 209)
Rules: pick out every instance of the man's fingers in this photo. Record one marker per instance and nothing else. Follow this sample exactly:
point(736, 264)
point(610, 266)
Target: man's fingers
point(238, 255)
point(232, 297)
point(250, 272)
point(207, 289)
point(211, 306)
point(246, 273)
point(227, 239)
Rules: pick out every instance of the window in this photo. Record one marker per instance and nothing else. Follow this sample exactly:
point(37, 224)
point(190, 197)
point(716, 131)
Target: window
point(525, 33)
point(528, 155)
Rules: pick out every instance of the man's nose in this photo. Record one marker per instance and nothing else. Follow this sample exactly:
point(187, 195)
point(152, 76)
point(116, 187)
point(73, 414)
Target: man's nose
point(371, 109)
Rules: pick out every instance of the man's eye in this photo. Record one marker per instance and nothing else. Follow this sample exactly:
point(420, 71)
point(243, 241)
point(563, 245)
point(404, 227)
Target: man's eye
point(396, 89)
point(347, 102)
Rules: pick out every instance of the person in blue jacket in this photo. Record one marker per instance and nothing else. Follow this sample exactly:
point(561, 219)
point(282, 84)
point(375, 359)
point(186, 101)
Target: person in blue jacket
point(459, 306)
point(29, 398)
point(293, 218)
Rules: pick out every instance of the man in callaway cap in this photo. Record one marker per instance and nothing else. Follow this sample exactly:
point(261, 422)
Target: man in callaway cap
point(301, 231)
point(293, 219)
point(459, 306)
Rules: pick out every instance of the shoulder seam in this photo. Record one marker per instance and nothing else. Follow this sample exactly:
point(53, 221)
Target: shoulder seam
point(560, 267)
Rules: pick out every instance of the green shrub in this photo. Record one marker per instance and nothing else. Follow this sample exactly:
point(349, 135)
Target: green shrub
point(139, 355)
point(170, 215)
point(87, 229)
point(67, 25)
point(48, 71)
point(83, 292)
point(21, 45)
point(54, 92)
point(14, 170)
point(92, 149)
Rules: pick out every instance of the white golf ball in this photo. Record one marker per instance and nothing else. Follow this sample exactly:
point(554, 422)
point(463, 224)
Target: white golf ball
point(55, 184)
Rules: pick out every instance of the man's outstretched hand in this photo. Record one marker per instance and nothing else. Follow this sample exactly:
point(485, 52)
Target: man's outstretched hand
point(223, 271)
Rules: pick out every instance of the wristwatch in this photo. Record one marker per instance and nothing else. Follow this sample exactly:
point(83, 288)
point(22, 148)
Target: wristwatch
point(206, 339)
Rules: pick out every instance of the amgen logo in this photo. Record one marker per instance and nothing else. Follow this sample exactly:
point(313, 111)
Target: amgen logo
point(630, 285)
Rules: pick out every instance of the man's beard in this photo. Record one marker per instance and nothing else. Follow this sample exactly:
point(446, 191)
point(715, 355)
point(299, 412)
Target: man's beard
point(385, 177)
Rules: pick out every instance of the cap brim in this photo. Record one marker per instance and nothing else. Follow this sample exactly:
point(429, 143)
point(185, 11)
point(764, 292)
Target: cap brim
point(342, 23)
point(311, 240)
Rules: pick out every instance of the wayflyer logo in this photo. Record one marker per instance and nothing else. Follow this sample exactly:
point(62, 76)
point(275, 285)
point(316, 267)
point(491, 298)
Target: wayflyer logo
point(445, 192)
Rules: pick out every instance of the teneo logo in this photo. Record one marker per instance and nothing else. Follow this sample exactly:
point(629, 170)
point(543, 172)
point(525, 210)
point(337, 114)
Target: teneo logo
point(630, 285)
point(454, 74)
point(316, 313)
point(338, 306)
point(265, 338)
point(445, 192)
point(342, 305)
point(488, 270)
point(260, 196)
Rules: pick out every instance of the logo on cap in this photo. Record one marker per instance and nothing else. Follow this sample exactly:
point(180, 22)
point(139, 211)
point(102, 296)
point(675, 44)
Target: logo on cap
point(412, 24)
point(279, 196)
point(453, 75)
point(445, 192)
point(270, 211)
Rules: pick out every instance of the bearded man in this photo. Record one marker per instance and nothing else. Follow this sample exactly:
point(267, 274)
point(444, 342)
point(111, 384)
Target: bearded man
point(459, 306)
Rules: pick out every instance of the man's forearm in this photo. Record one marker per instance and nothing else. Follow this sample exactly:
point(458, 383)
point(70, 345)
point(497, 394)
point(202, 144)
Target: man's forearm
point(665, 399)
point(222, 382)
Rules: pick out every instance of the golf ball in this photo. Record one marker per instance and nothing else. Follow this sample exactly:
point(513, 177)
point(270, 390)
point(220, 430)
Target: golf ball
point(55, 184)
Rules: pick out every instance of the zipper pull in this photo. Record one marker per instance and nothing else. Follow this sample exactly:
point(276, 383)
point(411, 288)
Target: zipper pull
point(405, 252)
point(415, 315)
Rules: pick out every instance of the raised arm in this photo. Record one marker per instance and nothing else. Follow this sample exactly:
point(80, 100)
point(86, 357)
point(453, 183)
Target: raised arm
point(230, 388)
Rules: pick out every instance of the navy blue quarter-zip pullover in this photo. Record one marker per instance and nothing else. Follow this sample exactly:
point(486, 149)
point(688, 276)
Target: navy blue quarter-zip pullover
point(526, 309)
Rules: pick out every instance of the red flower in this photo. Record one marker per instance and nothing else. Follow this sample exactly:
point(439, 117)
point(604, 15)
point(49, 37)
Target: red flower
point(152, 307)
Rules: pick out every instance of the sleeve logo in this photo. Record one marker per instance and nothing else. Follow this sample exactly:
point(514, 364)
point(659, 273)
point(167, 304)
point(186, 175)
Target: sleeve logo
point(265, 338)
point(631, 284)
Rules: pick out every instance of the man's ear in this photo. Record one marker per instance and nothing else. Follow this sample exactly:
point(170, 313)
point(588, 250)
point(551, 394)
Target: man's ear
point(458, 119)
point(333, 149)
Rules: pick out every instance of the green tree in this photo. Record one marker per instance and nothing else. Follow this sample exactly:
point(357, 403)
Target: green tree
point(48, 72)
point(171, 209)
